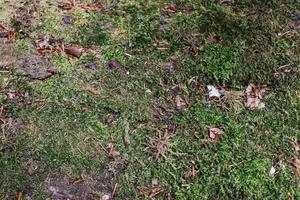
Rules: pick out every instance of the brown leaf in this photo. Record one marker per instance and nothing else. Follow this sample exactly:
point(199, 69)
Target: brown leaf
point(151, 191)
point(75, 51)
point(76, 181)
point(68, 4)
point(92, 6)
point(111, 150)
point(214, 133)
point(113, 64)
point(93, 91)
point(179, 102)
point(254, 95)
point(8, 33)
point(171, 9)
point(213, 39)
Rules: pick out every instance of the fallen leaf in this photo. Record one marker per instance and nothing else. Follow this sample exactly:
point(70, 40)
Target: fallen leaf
point(8, 33)
point(93, 90)
point(68, 4)
point(254, 95)
point(171, 9)
point(179, 102)
point(73, 50)
point(68, 20)
point(111, 119)
point(213, 92)
point(213, 39)
point(92, 6)
point(31, 167)
point(91, 65)
point(76, 181)
point(113, 64)
point(47, 44)
point(151, 191)
point(10, 94)
point(214, 133)
point(111, 150)
point(12, 36)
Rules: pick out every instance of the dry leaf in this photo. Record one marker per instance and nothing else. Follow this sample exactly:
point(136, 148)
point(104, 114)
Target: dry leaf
point(254, 95)
point(93, 91)
point(68, 4)
point(91, 65)
point(214, 133)
point(171, 9)
point(111, 150)
point(68, 20)
point(76, 181)
point(92, 6)
point(8, 33)
point(74, 50)
point(151, 191)
point(113, 64)
point(179, 102)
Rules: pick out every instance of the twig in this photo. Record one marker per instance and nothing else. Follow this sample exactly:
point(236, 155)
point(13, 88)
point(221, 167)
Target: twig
point(4, 72)
point(114, 191)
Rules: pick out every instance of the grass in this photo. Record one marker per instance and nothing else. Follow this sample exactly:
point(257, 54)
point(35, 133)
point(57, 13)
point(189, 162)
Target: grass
point(68, 136)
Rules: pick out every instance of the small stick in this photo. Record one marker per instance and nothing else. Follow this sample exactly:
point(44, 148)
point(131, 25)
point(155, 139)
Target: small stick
point(4, 72)
point(114, 191)
point(20, 194)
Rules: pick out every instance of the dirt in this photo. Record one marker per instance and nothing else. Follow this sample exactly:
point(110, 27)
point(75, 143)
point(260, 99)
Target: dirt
point(8, 54)
point(91, 187)
point(38, 68)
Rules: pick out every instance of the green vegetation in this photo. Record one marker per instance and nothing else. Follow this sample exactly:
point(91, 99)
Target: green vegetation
point(201, 43)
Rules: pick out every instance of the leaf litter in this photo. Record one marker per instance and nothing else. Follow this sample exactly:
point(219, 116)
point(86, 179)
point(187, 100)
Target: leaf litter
point(254, 96)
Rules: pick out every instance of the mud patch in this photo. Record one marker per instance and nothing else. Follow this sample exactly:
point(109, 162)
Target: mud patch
point(9, 57)
point(90, 188)
point(38, 68)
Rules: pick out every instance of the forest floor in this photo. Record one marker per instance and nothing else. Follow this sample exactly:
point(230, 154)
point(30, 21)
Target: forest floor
point(150, 99)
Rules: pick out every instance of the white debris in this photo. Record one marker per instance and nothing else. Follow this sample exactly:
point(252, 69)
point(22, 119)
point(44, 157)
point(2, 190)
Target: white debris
point(105, 197)
point(213, 92)
point(272, 170)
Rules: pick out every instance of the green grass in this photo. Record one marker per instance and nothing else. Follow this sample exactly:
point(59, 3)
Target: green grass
point(66, 136)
